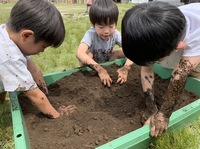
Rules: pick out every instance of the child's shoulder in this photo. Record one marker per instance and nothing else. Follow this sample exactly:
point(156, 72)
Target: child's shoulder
point(91, 31)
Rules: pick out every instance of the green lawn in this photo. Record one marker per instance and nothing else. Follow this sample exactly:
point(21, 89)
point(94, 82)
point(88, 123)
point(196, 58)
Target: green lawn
point(63, 58)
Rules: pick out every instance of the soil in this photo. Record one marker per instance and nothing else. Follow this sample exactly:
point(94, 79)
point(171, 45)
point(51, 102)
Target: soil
point(103, 113)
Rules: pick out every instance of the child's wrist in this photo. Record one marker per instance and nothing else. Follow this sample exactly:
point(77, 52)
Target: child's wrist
point(127, 67)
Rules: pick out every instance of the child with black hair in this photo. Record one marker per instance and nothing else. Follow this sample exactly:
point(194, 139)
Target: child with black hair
point(98, 42)
point(29, 30)
point(158, 32)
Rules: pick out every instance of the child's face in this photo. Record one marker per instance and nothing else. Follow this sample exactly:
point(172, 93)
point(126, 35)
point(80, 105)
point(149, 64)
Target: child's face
point(29, 47)
point(105, 31)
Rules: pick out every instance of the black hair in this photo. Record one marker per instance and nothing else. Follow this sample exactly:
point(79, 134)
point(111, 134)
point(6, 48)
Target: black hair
point(104, 12)
point(41, 17)
point(151, 31)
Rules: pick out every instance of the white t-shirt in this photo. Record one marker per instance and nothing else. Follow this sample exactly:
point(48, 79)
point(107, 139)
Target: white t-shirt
point(192, 37)
point(14, 75)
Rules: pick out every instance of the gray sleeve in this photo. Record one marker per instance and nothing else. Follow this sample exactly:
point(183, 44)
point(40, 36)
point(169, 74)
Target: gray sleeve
point(118, 38)
point(87, 38)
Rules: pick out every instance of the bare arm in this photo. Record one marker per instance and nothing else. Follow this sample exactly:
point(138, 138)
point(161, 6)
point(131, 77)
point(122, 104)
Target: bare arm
point(85, 59)
point(159, 121)
point(147, 79)
point(37, 76)
point(38, 96)
point(177, 83)
point(40, 100)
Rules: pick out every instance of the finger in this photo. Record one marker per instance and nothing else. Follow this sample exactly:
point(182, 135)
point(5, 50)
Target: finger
point(71, 107)
point(153, 130)
point(69, 111)
point(104, 82)
point(164, 128)
point(147, 121)
point(119, 79)
point(108, 83)
point(123, 80)
point(157, 132)
point(61, 113)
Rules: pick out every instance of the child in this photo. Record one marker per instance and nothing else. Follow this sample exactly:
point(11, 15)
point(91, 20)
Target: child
point(29, 30)
point(88, 5)
point(159, 32)
point(98, 42)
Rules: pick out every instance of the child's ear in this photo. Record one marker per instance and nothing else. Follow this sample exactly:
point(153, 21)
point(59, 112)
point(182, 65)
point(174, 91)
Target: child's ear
point(26, 34)
point(181, 45)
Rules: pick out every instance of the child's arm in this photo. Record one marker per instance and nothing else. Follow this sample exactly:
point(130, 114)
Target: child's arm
point(147, 79)
point(40, 100)
point(159, 121)
point(37, 76)
point(123, 72)
point(85, 59)
point(39, 95)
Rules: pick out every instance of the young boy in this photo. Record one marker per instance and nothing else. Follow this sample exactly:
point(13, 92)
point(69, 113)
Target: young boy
point(29, 30)
point(159, 32)
point(88, 5)
point(98, 42)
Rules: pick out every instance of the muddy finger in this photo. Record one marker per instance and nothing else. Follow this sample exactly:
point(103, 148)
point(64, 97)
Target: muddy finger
point(153, 131)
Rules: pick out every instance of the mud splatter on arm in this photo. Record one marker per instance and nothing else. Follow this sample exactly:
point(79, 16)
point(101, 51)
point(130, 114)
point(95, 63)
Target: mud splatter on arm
point(43, 87)
point(37, 76)
point(97, 67)
point(147, 79)
point(176, 87)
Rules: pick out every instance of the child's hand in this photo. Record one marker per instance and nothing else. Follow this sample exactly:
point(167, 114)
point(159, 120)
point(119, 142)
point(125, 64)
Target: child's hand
point(122, 75)
point(159, 124)
point(66, 110)
point(105, 78)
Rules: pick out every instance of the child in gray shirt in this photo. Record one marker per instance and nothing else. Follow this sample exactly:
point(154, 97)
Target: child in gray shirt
point(97, 45)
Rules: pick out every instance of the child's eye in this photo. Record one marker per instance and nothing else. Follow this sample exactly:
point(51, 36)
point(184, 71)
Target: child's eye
point(111, 26)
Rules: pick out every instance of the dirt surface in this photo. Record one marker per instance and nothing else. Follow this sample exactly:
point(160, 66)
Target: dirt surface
point(103, 113)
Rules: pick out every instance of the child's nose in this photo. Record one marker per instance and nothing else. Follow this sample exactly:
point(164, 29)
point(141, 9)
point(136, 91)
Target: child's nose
point(106, 31)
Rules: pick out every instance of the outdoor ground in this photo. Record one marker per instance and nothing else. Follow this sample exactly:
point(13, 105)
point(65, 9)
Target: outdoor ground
point(103, 113)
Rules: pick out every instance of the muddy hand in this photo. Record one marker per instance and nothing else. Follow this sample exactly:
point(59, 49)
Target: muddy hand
point(122, 75)
point(105, 78)
point(159, 124)
point(66, 110)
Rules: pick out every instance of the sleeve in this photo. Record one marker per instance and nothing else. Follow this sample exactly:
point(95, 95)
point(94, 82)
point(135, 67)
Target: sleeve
point(16, 77)
point(87, 38)
point(192, 41)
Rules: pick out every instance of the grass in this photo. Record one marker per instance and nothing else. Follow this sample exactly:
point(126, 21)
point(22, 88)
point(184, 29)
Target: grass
point(186, 138)
point(63, 58)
